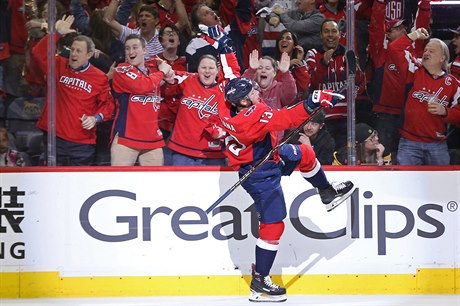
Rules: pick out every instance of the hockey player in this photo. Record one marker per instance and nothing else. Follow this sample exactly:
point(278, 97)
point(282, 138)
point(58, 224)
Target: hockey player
point(251, 125)
point(135, 131)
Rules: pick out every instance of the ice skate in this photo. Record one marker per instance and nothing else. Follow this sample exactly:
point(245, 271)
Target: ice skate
point(264, 290)
point(335, 194)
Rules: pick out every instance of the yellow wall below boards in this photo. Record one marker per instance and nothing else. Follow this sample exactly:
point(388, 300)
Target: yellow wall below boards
point(50, 284)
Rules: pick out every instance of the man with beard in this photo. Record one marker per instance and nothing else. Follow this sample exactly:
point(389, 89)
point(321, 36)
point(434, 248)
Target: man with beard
point(315, 135)
point(327, 68)
point(147, 18)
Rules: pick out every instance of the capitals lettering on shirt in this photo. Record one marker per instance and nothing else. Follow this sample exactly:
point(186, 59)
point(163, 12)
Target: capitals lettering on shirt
point(144, 99)
point(430, 96)
point(75, 83)
point(335, 86)
point(204, 107)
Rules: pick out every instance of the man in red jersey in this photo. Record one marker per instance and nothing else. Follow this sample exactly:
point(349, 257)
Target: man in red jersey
point(136, 89)
point(328, 70)
point(83, 98)
point(388, 82)
point(432, 101)
point(193, 139)
point(196, 138)
point(252, 127)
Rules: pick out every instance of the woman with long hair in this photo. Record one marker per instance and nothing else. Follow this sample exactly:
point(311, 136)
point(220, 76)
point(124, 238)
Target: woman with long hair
point(369, 151)
point(288, 42)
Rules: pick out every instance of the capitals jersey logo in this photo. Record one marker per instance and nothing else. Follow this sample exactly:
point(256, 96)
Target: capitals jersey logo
point(144, 99)
point(205, 109)
point(123, 69)
point(430, 96)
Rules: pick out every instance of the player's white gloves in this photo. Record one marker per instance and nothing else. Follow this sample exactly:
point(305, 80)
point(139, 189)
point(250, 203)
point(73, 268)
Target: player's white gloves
point(324, 98)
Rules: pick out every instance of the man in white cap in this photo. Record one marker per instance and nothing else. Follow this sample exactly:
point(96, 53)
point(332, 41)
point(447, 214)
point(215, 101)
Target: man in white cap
point(395, 28)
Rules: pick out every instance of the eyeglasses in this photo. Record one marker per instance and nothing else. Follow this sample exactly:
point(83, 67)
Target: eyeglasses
point(169, 33)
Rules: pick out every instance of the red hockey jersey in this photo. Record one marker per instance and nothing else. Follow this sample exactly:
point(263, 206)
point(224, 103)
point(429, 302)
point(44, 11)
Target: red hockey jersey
point(169, 106)
point(138, 99)
point(253, 130)
point(196, 114)
point(332, 76)
point(418, 123)
point(78, 93)
point(166, 16)
point(388, 81)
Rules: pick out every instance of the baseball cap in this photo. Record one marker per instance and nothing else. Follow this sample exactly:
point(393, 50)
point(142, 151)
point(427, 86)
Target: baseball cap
point(362, 132)
point(455, 31)
point(393, 24)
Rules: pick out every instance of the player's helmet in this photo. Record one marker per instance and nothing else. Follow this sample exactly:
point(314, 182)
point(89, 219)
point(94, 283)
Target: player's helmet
point(237, 89)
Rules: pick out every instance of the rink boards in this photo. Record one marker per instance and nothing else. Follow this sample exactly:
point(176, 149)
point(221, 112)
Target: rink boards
point(133, 232)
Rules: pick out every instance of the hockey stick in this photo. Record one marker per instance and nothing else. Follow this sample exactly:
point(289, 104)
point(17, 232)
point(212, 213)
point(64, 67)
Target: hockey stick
point(351, 63)
point(263, 160)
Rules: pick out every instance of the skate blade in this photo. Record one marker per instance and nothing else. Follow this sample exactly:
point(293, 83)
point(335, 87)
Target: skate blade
point(263, 297)
point(337, 201)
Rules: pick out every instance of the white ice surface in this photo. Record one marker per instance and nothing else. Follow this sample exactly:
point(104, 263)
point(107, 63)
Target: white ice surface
point(304, 300)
